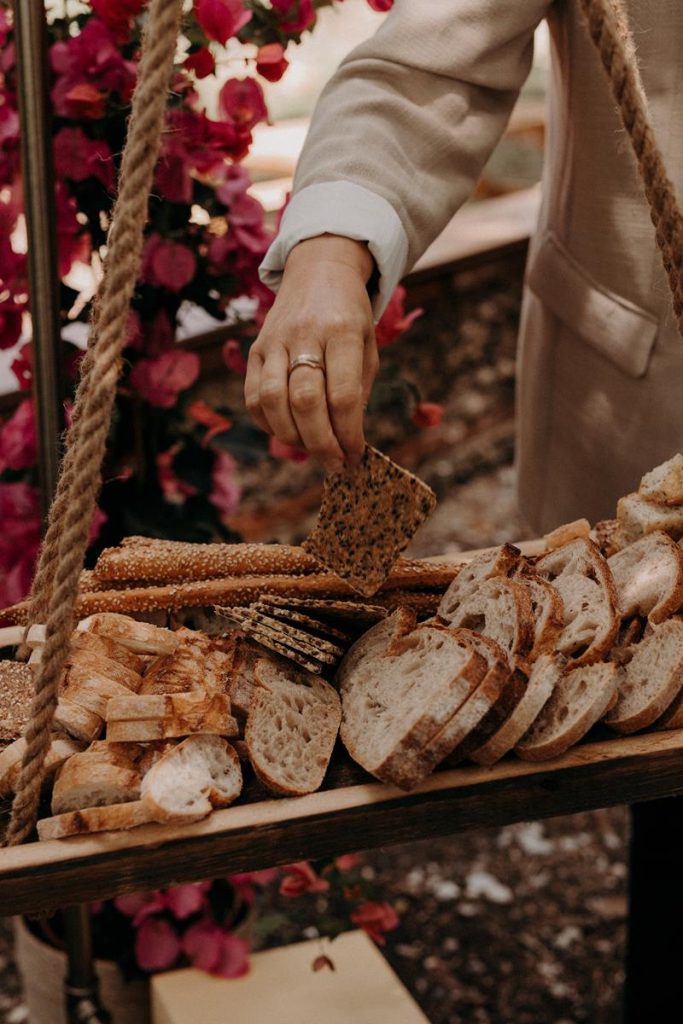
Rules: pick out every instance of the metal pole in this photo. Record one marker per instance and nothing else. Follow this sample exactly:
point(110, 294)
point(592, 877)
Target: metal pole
point(39, 206)
point(82, 1001)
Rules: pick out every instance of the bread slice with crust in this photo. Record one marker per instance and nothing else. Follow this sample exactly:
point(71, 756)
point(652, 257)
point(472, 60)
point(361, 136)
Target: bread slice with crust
point(638, 517)
point(105, 773)
point(78, 721)
point(292, 727)
point(94, 819)
point(378, 640)
point(500, 609)
point(502, 561)
point(547, 610)
point(609, 537)
point(564, 534)
point(579, 700)
point(191, 778)
point(663, 485)
point(591, 615)
point(61, 748)
point(546, 672)
point(197, 663)
point(652, 679)
point(648, 575)
point(143, 718)
point(140, 637)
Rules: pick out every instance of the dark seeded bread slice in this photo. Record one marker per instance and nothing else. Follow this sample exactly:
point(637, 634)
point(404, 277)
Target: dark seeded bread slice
point(663, 485)
point(591, 618)
point(500, 609)
point(547, 610)
point(648, 575)
point(652, 679)
point(292, 728)
point(395, 703)
point(579, 700)
point(545, 674)
point(191, 778)
point(501, 561)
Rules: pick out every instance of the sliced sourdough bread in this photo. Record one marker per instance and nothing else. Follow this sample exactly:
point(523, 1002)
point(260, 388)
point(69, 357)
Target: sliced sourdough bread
point(142, 718)
point(191, 778)
point(663, 485)
point(500, 609)
point(579, 700)
point(652, 679)
point(395, 703)
point(546, 672)
point(105, 773)
point(376, 641)
point(591, 618)
point(292, 727)
point(638, 517)
point(501, 561)
point(94, 819)
point(547, 610)
point(648, 575)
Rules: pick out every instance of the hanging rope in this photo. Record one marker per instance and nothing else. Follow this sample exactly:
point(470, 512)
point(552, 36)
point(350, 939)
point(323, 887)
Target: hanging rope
point(612, 36)
point(66, 539)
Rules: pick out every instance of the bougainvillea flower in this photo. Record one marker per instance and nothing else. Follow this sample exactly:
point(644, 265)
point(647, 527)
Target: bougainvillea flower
point(118, 15)
point(157, 946)
point(347, 862)
point(210, 948)
point(394, 320)
point(225, 487)
point(12, 267)
point(294, 15)
point(185, 900)
point(78, 157)
point(235, 182)
point(88, 67)
point(241, 101)
point(73, 243)
point(18, 438)
point(300, 878)
point(22, 367)
point(167, 264)
point(221, 19)
point(10, 323)
point(233, 358)
point(200, 61)
point(19, 540)
point(375, 919)
point(279, 450)
point(427, 414)
point(271, 62)
point(203, 414)
point(160, 380)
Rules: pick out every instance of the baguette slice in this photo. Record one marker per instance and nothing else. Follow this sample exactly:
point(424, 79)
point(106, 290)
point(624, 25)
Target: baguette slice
point(546, 673)
point(140, 637)
point(94, 819)
point(500, 609)
point(192, 778)
point(292, 728)
point(663, 485)
point(92, 690)
point(78, 721)
point(638, 517)
point(652, 679)
point(579, 700)
point(197, 663)
point(105, 773)
point(547, 609)
point(648, 575)
point(591, 618)
point(102, 647)
point(61, 748)
point(158, 716)
point(395, 703)
point(501, 561)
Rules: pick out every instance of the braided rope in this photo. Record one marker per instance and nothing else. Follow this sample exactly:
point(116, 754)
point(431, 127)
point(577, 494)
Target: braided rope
point(66, 540)
point(609, 30)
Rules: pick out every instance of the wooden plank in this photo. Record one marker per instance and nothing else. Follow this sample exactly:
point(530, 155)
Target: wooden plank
point(43, 876)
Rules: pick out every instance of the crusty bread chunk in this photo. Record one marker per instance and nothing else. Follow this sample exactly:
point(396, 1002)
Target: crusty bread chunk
point(591, 619)
point(61, 747)
point(638, 517)
point(568, 531)
point(648, 575)
point(292, 727)
point(78, 721)
point(500, 609)
point(161, 716)
point(579, 700)
point(609, 536)
point(140, 637)
point(105, 773)
point(197, 663)
point(501, 561)
point(395, 703)
point(546, 672)
point(94, 819)
point(663, 485)
point(191, 778)
point(547, 610)
point(652, 679)
point(102, 647)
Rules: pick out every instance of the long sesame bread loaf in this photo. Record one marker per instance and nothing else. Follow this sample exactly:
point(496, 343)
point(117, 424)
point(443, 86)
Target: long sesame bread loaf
point(652, 679)
point(648, 575)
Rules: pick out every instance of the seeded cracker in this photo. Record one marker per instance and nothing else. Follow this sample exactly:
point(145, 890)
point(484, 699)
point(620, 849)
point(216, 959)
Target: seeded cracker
point(367, 517)
point(330, 607)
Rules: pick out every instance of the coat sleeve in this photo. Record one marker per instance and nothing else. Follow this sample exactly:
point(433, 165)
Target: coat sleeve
point(402, 130)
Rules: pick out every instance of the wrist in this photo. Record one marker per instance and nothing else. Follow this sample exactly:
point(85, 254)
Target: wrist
point(335, 249)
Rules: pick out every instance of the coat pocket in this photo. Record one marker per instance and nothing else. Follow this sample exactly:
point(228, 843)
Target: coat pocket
point(612, 325)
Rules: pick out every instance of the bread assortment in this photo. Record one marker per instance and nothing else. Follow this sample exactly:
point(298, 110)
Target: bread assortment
point(506, 653)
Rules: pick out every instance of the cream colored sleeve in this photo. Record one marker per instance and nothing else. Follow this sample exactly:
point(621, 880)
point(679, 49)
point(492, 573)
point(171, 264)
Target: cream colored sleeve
point(403, 129)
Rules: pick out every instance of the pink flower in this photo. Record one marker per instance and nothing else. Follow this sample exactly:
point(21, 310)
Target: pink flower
point(300, 878)
point(233, 358)
point(73, 243)
point(18, 438)
point(225, 491)
point(427, 414)
point(200, 61)
point(394, 321)
point(77, 157)
point(203, 414)
point(137, 903)
point(161, 379)
point(22, 366)
point(185, 900)
point(88, 67)
point(381, 5)
point(263, 877)
point(241, 101)
point(221, 19)
point(212, 949)
point(174, 490)
point(271, 62)
point(19, 540)
point(12, 266)
point(347, 862)
point(11, 314)
point(118, 15)
point(99, 518)
point(168, 264)
point(157, 946)
point(294, 15)
point(279, 450)
point(375, 919)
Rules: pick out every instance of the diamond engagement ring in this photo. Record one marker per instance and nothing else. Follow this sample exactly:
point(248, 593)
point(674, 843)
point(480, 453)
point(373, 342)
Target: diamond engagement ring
point(306, 359)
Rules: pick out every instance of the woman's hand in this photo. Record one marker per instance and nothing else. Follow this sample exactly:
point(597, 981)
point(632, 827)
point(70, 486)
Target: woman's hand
point(322, 310)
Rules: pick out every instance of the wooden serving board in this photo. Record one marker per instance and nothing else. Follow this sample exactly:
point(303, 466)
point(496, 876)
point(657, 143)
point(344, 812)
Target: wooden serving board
point(352, 813)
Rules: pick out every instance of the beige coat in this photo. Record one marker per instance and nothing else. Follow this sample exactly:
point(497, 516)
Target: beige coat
point(411, 116)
